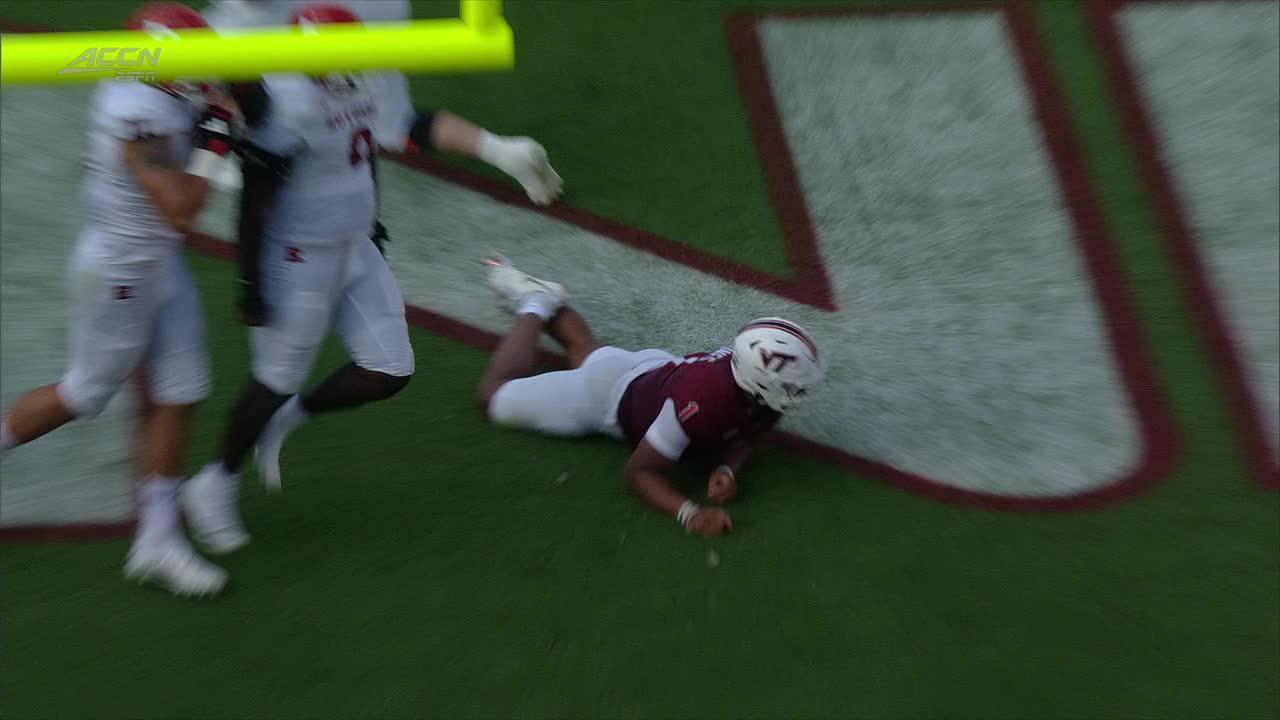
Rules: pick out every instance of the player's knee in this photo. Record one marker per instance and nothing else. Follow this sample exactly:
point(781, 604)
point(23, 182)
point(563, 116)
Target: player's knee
point(395, 383)
point(396, 362)
point(279, 380)
point(85, 399)
point(185, 389)
point(384, 385)
point(511, 405)
point(489, 408)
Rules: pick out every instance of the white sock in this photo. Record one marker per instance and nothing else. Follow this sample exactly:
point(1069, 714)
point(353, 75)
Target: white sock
point(157, 509)
point(537, 303)
point(285, 420)
point(7, 441)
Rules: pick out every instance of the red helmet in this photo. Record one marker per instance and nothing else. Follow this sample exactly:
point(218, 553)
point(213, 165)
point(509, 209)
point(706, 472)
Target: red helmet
point(170, 15)
point(322, 13)
point(327, 13)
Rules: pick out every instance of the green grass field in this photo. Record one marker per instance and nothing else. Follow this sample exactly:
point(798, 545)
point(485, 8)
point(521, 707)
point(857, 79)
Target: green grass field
point(431, 565)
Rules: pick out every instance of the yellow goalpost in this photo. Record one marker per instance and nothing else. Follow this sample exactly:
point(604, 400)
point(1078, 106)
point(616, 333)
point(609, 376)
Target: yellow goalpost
point(478, 40)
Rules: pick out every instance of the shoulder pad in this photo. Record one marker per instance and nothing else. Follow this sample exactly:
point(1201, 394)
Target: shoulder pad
point(134, 110)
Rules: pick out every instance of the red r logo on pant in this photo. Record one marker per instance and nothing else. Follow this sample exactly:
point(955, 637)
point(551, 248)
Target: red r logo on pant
point(293, 254)
point(124, 292)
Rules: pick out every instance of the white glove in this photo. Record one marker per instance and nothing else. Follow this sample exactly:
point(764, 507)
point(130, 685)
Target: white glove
point(525, 160)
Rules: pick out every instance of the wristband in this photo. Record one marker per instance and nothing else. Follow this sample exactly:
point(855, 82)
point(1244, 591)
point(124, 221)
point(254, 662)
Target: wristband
point(217, 169)
point(686, 512)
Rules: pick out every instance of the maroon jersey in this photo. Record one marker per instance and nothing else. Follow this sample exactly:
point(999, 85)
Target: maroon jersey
point(708, 408)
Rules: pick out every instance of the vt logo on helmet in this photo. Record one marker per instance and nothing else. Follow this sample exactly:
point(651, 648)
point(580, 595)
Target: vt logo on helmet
point(775, 361)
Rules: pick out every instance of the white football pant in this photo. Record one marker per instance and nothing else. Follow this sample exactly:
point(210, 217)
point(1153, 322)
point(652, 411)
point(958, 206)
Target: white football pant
point(573, 403)
point(131, 314)
point(311, 290)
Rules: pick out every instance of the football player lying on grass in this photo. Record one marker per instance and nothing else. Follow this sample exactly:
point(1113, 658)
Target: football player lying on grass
point(660, 403)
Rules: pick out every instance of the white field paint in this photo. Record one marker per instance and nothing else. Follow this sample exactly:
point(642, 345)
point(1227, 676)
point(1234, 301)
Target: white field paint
point(971, 338)
point(1210, 75)
point(82, 472)
point(968, 347)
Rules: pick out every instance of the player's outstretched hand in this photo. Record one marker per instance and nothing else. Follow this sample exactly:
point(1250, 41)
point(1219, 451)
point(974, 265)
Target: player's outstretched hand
point(525, 160)
point(710, 522)
point(722, 487)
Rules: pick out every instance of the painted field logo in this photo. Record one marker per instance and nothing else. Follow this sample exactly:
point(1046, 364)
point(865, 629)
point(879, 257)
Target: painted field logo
point(127, 63)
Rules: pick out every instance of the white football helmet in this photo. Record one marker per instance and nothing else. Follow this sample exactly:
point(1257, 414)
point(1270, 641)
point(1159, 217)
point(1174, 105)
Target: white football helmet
point(308, 17)
point(776, 361)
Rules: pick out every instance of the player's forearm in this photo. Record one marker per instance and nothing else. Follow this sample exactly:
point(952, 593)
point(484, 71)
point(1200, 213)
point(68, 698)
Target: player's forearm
point(249, 250)
point(179, 197)
point(655, 489)
point(520, 157)
point(254, 202)
point(736, 456)
point(453, 133)
point(249, 257)
point(442, 130)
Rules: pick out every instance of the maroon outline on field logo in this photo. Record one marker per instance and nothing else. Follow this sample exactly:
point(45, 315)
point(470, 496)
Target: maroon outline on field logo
point(810, 284)
point(1181, 244)
point(1158, 436)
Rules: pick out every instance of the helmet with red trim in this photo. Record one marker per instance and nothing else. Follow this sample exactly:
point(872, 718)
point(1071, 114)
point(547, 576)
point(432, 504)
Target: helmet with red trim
point(776, 361)
point(310, 15)
point(322, 13)
point(161, 20)
point(158, 17)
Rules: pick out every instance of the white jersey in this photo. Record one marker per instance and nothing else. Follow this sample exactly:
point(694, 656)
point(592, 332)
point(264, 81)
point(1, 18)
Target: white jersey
point(328, 196)
point(128, 225)
point(390, 89)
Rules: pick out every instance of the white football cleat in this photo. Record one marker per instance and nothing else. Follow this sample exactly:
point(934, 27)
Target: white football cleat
point(211, 503)
point(173, 564)
point(513, 286)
